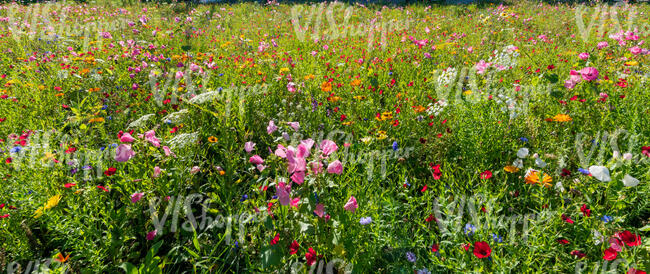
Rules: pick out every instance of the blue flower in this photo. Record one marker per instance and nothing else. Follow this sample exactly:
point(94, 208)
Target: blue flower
point(583, 171)
point(395, 146)
point(220, 74)
point(523, 139)
point(316, 197)
point(390, 73)
point(104, 107)
point(607, 219)
point(365, 220)
point(470, 229)
point(497, 238)
point(410, 257)
point(16, 149)
point(243, 198)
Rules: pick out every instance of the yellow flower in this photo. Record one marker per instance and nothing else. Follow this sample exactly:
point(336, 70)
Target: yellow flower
point(562, 118)
point(333, 99)
point(511, 169)
point(467, 92)
point(385, 116)
point(359, 97)
point(381, 135)
point(347, 123)
point(283, 70)
point(309, 77)
point(419, 109)
point(212, 139)
point(52, 202)
point(631, 63)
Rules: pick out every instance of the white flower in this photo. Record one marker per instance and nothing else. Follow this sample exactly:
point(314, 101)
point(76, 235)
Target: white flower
point(522, 153)
point(518, 163)
point(141, 122)
point(540, 163)
point(627, 156)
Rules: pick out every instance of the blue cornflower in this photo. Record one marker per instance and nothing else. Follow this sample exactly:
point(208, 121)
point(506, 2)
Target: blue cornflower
point(470, 229)
point(274, 197)
point(497, 238)
point(365, 220)
point(583, 171)
point(220, 74)
point(113, 145)
point(390, 73)
point(16, 149)
point(316, 197)
point(410, 256)
point(523, 139)
point(104, 107)
point(243, 198)
point(395, 146)
point(607, 219)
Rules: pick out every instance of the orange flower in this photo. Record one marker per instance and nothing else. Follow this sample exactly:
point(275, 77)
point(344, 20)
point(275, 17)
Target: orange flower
point(511, 169)
point(62, 259)
point(355, 82)
point(419, 109)
point(562, 118)
point(326, 87)
point(533, 177)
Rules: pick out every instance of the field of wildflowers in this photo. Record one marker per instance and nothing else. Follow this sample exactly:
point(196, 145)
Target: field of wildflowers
point(326, 137)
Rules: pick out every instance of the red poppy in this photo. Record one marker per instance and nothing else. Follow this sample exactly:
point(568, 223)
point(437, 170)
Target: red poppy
point(434, 248)
point(486, 175)
point(609, 254)
point(635, 271)
point(585, 210)
point(563, 241)
point(436, 171)
point(293, 248)
point(482, 250)
point(430, 218)
point(8, 160)
point(466, 246)
point(276, 239)
point(2, 206)
point(110, 171)
point(4, 216)
point(645, 151)
point(565, 172)
point(630, 238)
point(578, 253)
point(567, 219)
point(310, 256)
point(69, 185)
point(102, 188)
point(424, 189)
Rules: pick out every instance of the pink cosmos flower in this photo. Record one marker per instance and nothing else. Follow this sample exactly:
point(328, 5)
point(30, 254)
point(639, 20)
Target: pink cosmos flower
point(195, 170)
point(256, 160)
point(602, 45)
point(589, 73)
point(635, 50)
point(249, 146)
point(351, 205)
point(320, 210)
point(156, 171)
point(335, 167)
point(168, 151)
point(281, 151)
point(294, 125)
point(583, 56)
point(295, 202)
point(328, 147)
point(135, 197)
point(150, 136)
point(481, 66)
point(123, 153)
point(316, 167)
point(291, 87)
point(283, 191)
point(271, 127)
point(126, 138)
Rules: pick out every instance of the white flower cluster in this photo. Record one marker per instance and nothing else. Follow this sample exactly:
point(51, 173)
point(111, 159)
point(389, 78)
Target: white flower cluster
point(182, 140)
point(176, 117)
point(505, 58)
point(141, 122)
point(204, 97)
point(436, 108)
point(509, 105)
point(447, 77)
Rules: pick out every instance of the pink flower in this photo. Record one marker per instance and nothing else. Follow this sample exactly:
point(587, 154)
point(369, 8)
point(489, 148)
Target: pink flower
point(284, 193)
point(168, 151)
point(316, 167)
point(249, 146)
point(291, 87)
point(123, 153)
point(589, 73)
point(481, 66)
point(271, 127)
point(351, 205)
point(335, 167)
point(256, 160)
point(328, 147)
point(260, 167)
point(602, 45)
point(156, 171)
point(135, 197)
point(195, 170)
point(309, 143)
point(126, 138)
point(574, 79)
point(583, 56)
point(295, 202)
point(294, 125)
point(150, 136)
point(151, 235)
point(635, 50)
point(281, 151)
point(320, 210)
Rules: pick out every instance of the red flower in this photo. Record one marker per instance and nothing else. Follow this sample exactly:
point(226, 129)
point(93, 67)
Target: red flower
point(629, 238)
point(482, 250)
point(293, 248)
point(4, 216)
point(310, 256)
point(2, 206)
point(69, 185)
point(8, 160)
point(276, 239)
point(610, 254)
point(585, 210)
point(110, 171)
point(434, 248)
point(436, 172)
point(578, 253)
point(424, 189)
point(645, 151)
point(431, 218)
point(563, 241)
point(486, 175)
point(635, 271)
point(467, 246)
point(102, 188)
point(565, 172)
point(567, 219)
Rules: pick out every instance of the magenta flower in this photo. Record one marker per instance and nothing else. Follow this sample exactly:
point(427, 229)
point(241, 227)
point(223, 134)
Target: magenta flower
point(316, 167)
point(271, 127)
point(249, 146)
point(294, 125)
point(583, 56)
point(256, 160)
point(335, 167)
point(320, 210)
point(123, 153)
point(481, 66)
point(150, 136)
point(328, 147)
point(351, 205)
point(602, 45)
point(635, 50)
point(135, 197)
point(589, 73)
point(126, 138)
point(291, 87)
point(151, 235)
point(156, 172)
point(283, 191)
point(168, 151)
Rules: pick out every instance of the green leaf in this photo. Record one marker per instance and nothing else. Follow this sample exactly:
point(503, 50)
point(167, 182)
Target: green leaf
point(129, 268)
